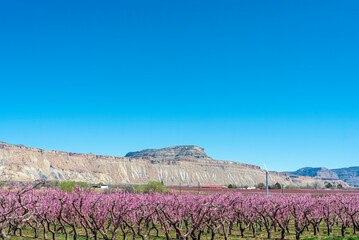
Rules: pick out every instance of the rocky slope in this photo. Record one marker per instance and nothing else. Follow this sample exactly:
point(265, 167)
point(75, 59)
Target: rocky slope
point(316, 172)
point(172, 153)
point(349, 175)
point(186, 165)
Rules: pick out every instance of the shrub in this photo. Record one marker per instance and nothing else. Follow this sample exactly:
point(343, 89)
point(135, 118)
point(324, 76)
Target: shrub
point(277, 186)
point(68, 186)
point(52, 184)
point(260, 186)
point(129, 189)
point(152, 187)
point(290, 186)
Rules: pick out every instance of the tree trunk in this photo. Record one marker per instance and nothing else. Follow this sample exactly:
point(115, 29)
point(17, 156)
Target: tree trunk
point(225, 232)
point(3, 234)
point(75, 232)
point(64, 230)
point(124, 236)
point(329, 230)
point(51, 231)
point(343, 231)
point(315, 230)
point(213, 234)
point(242, 231)
point(44, 229)
point(157, 231)
point(282, 233)
point(21, 232)
point(95, 237)
point(36, 232)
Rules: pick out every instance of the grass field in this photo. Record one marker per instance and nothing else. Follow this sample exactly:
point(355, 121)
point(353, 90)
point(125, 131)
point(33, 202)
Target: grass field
point(308, 235)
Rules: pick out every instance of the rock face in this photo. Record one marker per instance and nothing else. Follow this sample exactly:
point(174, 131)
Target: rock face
point(316, 172)
point(186, 165)
point(349, 175)
point(172, 153)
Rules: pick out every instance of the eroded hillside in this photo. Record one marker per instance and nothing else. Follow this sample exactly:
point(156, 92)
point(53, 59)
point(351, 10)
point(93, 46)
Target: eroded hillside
point(186, 165)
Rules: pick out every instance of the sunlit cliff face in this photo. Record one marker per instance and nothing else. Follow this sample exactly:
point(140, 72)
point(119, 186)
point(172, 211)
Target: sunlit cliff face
point(186, 165)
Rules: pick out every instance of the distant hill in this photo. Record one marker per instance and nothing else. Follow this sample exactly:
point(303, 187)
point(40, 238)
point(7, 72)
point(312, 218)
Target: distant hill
point(349, 175)
point(185, 165)
point(171, 153)
point(316, 172)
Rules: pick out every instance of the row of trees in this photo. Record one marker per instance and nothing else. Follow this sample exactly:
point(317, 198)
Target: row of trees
point(69, 186)
point(154, 186)
point(315, 185)
point(263, 186)
point(125, 215)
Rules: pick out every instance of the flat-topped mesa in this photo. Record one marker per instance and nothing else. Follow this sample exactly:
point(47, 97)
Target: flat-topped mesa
point(187, 152)
point(186, 165)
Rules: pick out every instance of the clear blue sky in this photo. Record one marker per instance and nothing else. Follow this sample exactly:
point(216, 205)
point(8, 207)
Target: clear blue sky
point(250, 81)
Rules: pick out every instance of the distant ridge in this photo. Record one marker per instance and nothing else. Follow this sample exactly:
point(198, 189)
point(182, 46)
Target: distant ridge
point(349, 175)
point(185, 165)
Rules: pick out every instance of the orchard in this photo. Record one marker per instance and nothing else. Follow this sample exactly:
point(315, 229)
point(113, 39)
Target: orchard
point(28, 212)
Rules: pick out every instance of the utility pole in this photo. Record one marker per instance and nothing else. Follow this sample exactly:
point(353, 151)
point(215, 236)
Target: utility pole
point(267, 183)
point(267, 175)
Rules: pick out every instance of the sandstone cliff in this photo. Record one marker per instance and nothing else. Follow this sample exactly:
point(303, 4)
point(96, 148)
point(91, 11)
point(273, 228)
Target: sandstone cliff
point(186, 165)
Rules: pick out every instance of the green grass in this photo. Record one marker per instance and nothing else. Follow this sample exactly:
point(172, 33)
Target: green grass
point(307, 235)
